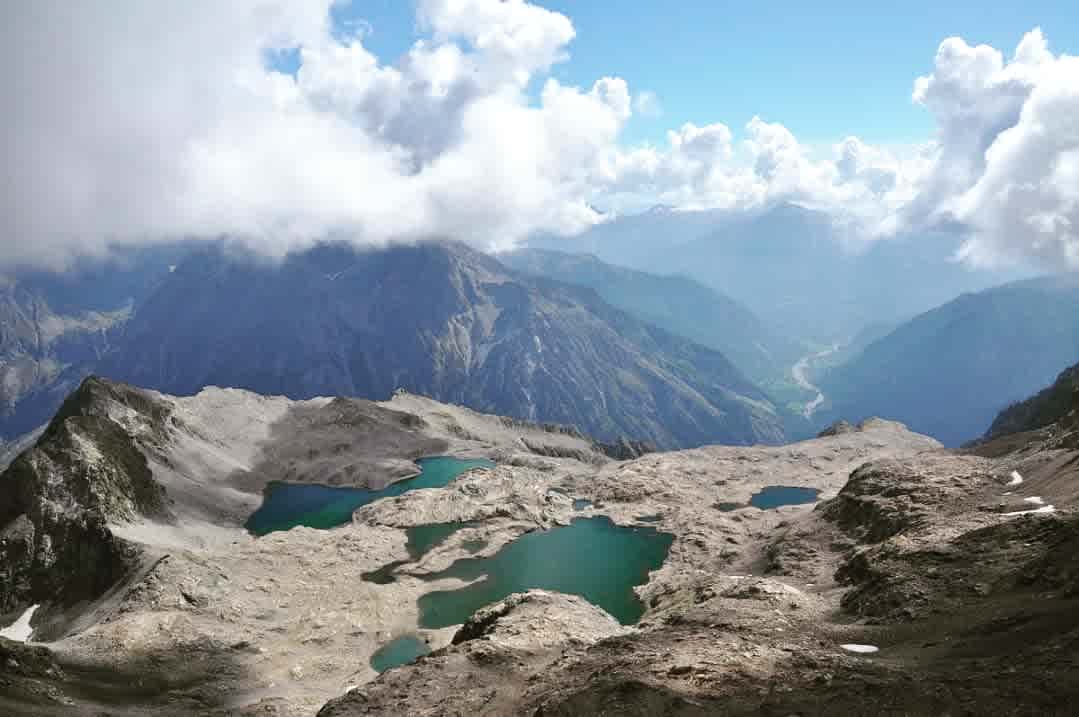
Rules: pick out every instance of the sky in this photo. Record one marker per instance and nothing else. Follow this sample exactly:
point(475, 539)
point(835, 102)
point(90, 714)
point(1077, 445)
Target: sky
point(285, 122)
point(825, 69)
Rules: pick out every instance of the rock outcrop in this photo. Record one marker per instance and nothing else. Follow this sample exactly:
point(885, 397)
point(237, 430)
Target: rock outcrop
point(60, 496)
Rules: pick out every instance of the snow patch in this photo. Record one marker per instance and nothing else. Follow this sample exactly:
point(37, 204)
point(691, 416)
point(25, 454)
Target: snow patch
point(20, 630)
point(1035, 499)
point(1043, 509)
point(860, 649)
point(1016, 479)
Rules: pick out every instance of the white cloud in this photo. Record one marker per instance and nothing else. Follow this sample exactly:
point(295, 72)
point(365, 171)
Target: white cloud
point(138, 121)
point(516, 38)
point(1008, 164)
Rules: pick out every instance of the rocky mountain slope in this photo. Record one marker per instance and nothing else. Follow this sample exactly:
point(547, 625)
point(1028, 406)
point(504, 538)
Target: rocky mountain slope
point(442, 320)
point(923, 582)
point(948, 372)
point(676, 303)
point(44, 355)
point(56, 327)
point(124, 524)
point(1056, 404)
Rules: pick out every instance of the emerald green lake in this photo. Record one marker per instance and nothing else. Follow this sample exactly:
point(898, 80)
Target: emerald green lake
point(287, 505)
point(399, 652)
point(594, 558)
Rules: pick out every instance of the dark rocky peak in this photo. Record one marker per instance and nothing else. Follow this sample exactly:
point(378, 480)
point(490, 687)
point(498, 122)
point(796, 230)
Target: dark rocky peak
point(1058, 404)
point(86, 460)
point(98, 398)
point(85, 472)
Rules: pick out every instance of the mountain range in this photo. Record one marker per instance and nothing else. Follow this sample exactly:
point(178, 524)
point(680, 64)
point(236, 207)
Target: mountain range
point(679, 304)
point(792, 266)
point(949, 371)
point(535, 334)
point(436, 318)
point(56, 326)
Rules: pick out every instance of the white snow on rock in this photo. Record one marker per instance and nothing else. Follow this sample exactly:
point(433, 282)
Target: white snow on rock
point(1016, 478)
point(1043, 509)
point(860, 649)
point(20, 630)
point(1035, 499)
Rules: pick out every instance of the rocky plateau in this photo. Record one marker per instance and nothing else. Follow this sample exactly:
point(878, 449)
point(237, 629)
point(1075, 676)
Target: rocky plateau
point(922, 581)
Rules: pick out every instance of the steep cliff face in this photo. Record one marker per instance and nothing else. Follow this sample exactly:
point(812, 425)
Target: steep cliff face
point(60, 496)
point(441, 320)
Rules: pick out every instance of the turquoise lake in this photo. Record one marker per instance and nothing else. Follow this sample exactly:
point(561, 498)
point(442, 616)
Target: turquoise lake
point(592, 557)
point(399, 652)
point(287, 505)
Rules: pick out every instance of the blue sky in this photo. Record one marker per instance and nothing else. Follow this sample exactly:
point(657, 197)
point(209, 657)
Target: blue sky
point(825, 69)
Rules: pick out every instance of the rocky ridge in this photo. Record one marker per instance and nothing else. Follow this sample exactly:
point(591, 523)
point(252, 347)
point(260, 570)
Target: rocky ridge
point(936, 558)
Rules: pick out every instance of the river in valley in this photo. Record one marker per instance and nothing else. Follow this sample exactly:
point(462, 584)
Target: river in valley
point(799, 372)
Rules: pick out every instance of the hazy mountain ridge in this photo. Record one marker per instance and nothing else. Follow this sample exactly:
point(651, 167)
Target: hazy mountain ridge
point(949, 371)
point(43, 355)
point(56, 326)
point(679, 304)
point(439, 319)
point(792, 266)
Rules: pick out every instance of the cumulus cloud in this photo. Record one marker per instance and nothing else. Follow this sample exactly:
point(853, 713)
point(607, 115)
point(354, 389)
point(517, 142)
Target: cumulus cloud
point(1015, 187)
point(706, 167)
point(1002, 170)
point(1009, 150)
point(140, 121)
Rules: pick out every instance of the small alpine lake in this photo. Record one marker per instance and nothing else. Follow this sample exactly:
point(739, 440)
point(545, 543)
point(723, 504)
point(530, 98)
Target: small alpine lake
point(287, 505)
point(592, 557)
point(397, 652)
point(775, 496)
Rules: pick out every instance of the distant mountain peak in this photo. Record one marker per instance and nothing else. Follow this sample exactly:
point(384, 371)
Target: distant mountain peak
point(442, 319)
